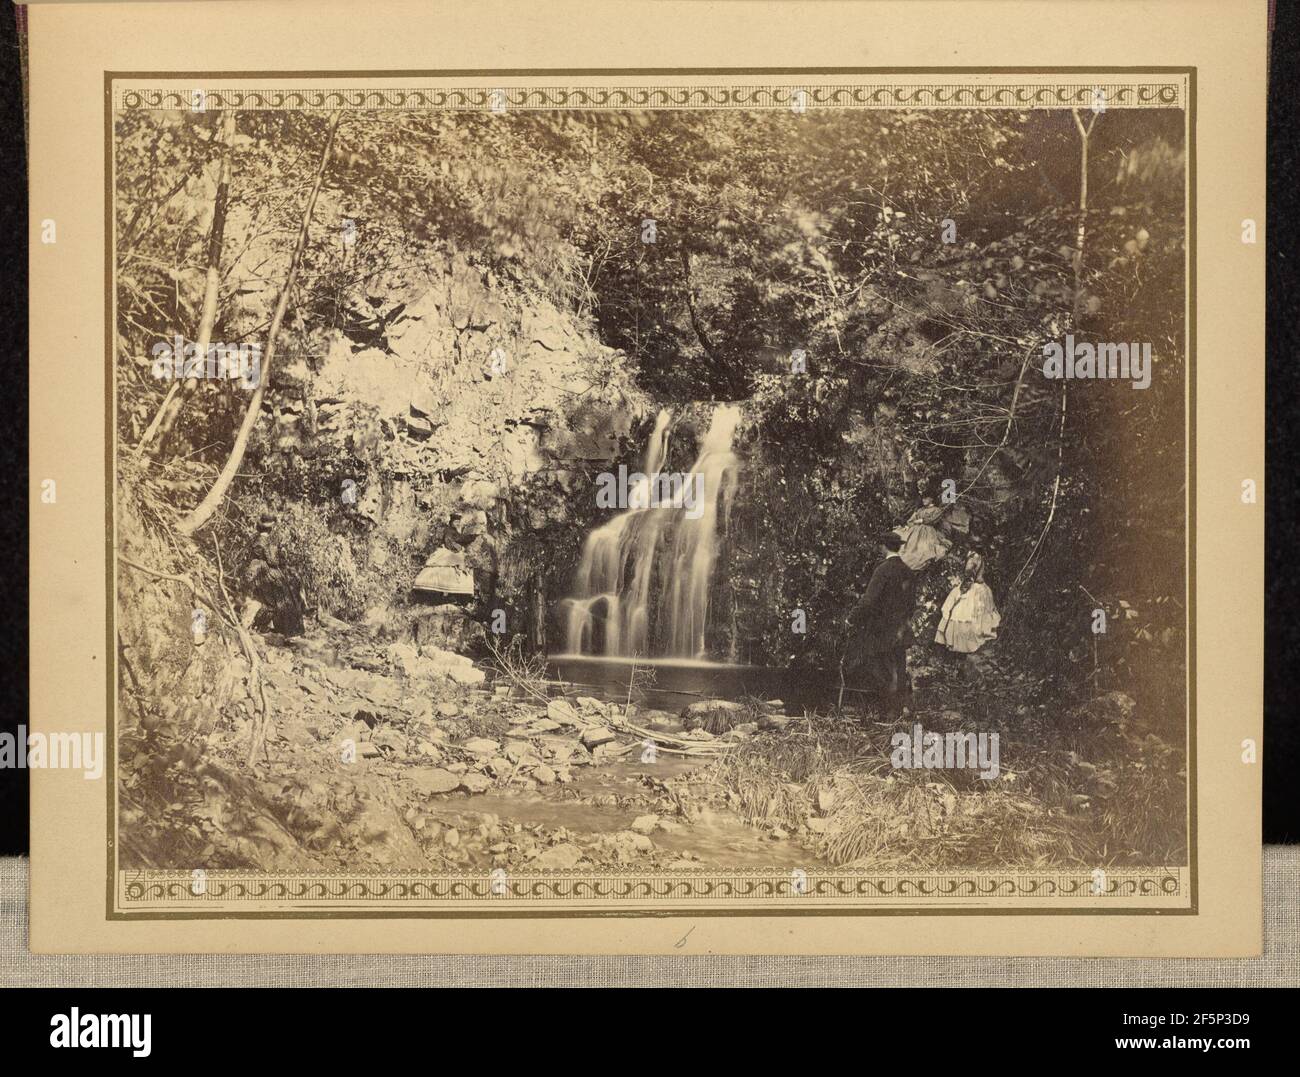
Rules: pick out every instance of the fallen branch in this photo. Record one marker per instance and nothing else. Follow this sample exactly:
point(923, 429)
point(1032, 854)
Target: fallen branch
point(624, 726)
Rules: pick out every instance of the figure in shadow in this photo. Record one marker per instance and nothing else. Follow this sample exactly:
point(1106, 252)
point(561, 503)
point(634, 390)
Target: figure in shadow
point(880, 632)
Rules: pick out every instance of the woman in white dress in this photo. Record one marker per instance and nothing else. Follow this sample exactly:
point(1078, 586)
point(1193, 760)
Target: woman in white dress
point(970, 618)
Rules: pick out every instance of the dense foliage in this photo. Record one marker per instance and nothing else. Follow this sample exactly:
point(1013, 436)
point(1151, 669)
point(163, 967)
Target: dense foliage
point(918, 261)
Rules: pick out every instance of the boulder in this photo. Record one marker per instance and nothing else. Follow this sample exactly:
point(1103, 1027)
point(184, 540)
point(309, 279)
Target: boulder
point(404, 656)
point(562, 711)
point(542, 725)
point(438, 663)
point(558, 857)
point(381, 690)
point(626, 845)
point(520, 751)
point(419, 426)
point(432, 780)
point(383, 838)
point(424, 401)
point(331, 623)
point(390, 738)
point(645, 824)
point(445, 628)
point(473, 782)
point(596, 735)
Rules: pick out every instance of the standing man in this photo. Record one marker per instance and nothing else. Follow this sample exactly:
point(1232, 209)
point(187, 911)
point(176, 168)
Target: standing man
point(880, 631)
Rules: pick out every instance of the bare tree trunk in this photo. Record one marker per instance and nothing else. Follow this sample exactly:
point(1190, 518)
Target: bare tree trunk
point(1084, 133)
point(165, 419)
point(700, 333)
point(208, 505)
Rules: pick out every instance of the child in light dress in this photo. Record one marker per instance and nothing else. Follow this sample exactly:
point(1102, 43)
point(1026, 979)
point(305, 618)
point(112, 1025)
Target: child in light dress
point(970, 618)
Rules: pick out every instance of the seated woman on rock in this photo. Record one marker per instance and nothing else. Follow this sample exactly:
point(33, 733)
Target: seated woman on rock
point(923, 542)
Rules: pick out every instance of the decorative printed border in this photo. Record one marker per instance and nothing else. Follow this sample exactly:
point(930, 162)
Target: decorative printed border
point(1168, 94)
point(148, 889)
point(150, 894)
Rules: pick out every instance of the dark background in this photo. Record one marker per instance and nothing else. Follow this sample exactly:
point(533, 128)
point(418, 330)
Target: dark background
point(1281, 754)
point(15, 490)
point(1281, 757)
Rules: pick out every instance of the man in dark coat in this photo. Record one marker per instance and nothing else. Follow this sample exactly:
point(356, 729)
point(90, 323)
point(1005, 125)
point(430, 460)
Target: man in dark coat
point(879, 629)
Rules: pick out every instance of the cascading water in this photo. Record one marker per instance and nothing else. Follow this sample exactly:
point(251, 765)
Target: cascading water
point(685, 598)
point(671, 524)
point(601, 580)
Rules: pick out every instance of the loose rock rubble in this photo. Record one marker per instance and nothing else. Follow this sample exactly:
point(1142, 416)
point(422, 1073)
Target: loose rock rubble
point(403, 756)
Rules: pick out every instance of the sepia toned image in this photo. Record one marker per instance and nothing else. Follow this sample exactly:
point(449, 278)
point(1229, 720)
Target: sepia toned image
point(659, 480)
point(632, 496)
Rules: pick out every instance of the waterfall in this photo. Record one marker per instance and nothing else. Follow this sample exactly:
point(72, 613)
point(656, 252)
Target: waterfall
point(601, 581)
point(685, 598)
point(665, 527)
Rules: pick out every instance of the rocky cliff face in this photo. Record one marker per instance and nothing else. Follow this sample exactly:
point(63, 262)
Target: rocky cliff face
point(452, 410)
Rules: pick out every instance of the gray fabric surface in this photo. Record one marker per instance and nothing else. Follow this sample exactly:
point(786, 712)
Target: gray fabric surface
point(1280, 965)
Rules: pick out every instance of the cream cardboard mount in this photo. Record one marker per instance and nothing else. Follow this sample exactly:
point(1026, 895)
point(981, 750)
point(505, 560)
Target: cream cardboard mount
point(527, 304)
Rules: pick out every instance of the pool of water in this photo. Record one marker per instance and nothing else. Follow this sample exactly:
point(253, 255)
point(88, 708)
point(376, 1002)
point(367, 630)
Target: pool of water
point(671, 683)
